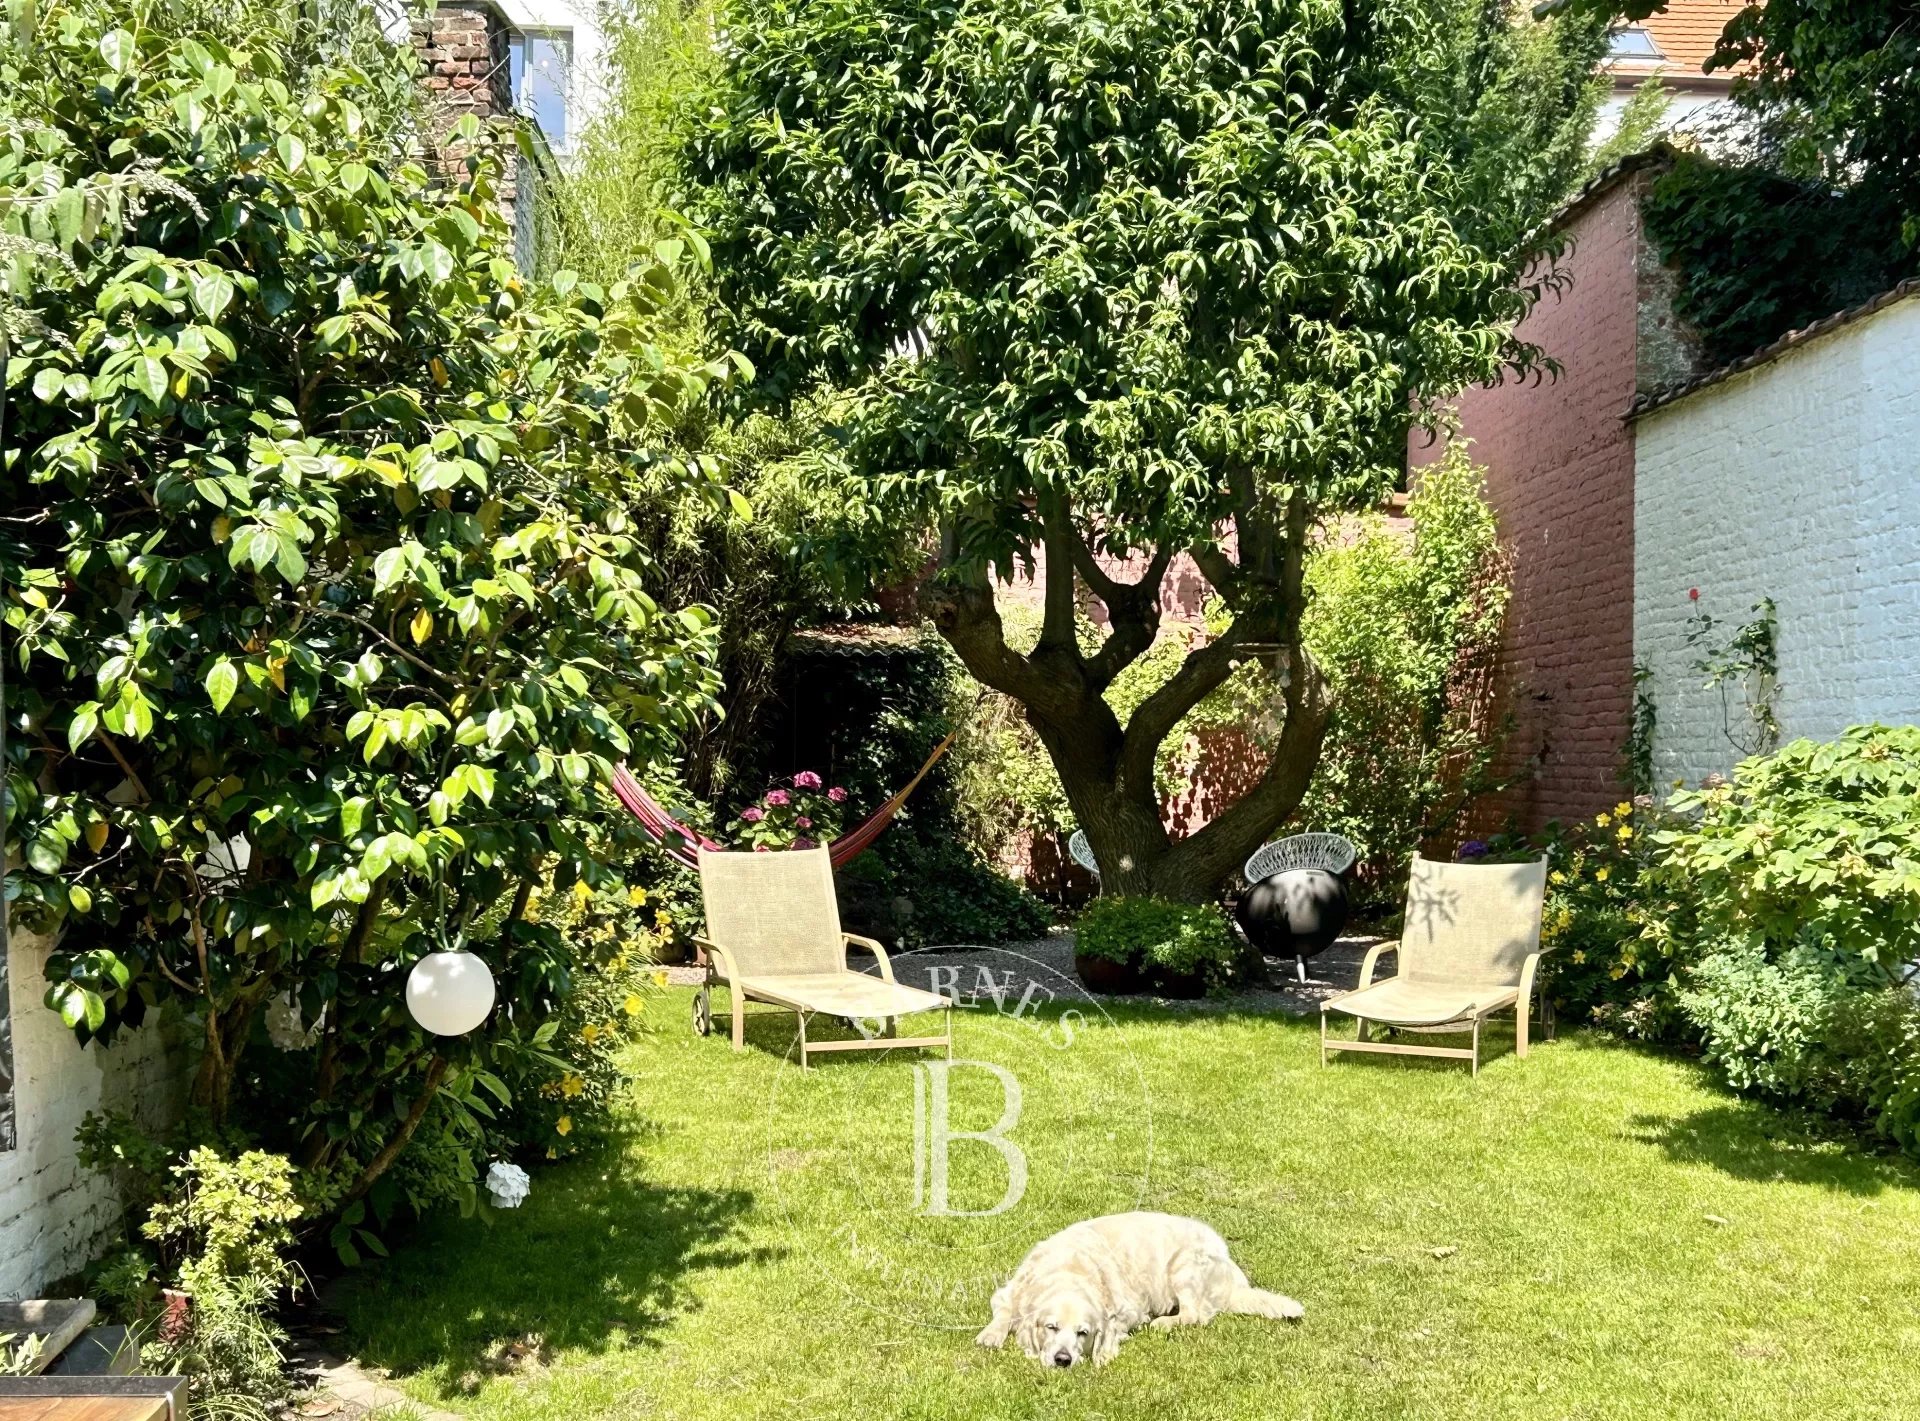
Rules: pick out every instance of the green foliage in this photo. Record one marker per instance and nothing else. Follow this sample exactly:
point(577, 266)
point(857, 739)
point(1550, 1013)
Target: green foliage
point(321, 566)
point(1614, 931)
point(1161, 940)
point(564, 1096)
point(1641, 121)
point(1760, 252)
point(216, 1224)
point(1747, 660)
point(870, 172)
point(1766, 1022)
point(1507, 104)
point(1816, 845)
point(229, 1218)
point(1158, 270)
point(1405, 628)
point(954, 896)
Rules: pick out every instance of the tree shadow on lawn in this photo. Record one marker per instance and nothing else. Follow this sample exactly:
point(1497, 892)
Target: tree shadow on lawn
point(596, 1259)
point(1754, 1141)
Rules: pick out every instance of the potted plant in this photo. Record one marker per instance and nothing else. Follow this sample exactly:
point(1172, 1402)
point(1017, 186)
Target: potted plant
point(1145, 944)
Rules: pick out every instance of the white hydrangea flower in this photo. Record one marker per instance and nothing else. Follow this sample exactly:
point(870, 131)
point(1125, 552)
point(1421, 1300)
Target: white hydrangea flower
point(507, 1184)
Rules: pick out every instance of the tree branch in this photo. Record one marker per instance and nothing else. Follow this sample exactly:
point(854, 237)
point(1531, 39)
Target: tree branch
point(1202, 672)
point(381, 1162)
point(1060, 542)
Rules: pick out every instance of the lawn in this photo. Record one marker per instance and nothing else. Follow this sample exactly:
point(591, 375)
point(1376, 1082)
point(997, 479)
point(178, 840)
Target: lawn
point(1596, 1231)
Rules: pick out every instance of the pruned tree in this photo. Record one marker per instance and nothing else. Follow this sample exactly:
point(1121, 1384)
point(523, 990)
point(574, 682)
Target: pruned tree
point(1103, 285)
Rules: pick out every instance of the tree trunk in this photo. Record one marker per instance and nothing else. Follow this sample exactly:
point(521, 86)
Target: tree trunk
point(1107, 771)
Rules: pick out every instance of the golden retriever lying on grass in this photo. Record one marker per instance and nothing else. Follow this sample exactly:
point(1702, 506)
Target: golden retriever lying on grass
point(1079, 1294)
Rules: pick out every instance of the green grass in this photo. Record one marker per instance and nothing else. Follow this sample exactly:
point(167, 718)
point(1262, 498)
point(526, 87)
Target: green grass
point(1593, 1232)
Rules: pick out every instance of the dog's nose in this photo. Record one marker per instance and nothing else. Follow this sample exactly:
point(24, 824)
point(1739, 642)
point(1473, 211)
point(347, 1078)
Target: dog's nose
point(1063, 1359)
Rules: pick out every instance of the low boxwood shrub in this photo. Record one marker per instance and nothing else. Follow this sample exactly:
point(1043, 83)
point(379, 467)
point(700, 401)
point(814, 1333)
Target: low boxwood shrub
point(1162, 940)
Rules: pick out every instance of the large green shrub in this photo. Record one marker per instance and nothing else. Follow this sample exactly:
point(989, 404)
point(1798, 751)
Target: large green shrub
point(322, 587)
point(1815, 844)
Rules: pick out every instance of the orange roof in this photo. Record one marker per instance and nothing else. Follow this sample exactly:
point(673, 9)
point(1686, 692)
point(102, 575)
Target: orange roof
point(1685, 34)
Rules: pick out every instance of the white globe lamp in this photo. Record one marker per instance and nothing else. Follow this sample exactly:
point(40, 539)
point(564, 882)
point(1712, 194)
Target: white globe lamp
point(449, 992)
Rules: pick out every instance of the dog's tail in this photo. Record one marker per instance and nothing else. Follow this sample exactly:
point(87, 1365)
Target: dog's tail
point(1260, 1303)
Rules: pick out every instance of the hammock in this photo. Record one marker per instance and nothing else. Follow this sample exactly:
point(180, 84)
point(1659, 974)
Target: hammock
point(679, 843)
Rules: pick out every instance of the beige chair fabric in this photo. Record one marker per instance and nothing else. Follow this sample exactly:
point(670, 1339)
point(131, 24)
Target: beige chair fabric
point(774, 936)
point(1469, 948)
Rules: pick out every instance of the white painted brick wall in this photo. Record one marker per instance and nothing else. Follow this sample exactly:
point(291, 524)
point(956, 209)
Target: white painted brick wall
point(54, 1215)
point(1800, 481)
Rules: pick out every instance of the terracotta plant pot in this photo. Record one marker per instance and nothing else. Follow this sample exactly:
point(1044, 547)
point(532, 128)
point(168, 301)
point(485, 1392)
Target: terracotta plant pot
point(1107, 977)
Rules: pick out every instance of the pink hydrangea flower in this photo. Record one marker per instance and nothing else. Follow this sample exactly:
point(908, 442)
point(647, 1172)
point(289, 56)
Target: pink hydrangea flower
point(803, 822)
point(806, 779)
point(778, 797)
point(837, 795)
point(754, 814)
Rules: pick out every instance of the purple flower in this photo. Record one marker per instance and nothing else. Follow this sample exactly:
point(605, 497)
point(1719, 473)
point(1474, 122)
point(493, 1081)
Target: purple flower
point(803, 822)
point(805, 844)
point(806, 779)
point(1473, 849)
point(777, 797)
point(753, 814)
point(837, 795)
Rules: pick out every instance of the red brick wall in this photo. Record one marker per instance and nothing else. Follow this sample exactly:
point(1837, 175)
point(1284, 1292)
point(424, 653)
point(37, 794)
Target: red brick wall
point(1559, 462)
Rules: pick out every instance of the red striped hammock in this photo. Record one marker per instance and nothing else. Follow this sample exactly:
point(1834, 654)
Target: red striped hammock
point(680, 843)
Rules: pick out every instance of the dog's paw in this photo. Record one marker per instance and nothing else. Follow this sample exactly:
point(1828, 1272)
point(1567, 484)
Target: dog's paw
point(1291, 1309)
point(992, 1335)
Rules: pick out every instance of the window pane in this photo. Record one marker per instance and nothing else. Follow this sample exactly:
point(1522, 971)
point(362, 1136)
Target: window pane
point(542, 65)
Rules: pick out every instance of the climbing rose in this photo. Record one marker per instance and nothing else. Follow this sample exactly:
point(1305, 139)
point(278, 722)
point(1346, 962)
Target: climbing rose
point(837, 795)
point(753, 815)
point(806, 779)
point(1693, 594)
point(778, 797)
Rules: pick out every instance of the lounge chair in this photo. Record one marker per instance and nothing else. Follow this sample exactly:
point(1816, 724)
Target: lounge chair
point(773, 935)
point(1470, 947)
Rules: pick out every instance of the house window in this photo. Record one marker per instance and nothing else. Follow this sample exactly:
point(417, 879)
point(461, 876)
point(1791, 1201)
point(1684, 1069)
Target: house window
point(542, 71)
point(1633, 42)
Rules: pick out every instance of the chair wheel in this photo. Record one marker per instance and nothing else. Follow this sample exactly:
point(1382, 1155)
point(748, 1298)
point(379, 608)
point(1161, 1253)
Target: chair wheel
point(703, 1012)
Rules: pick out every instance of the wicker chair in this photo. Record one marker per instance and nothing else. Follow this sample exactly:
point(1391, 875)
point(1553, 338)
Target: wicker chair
point(1470, 948)
point(774, 936)
point(1332, 852)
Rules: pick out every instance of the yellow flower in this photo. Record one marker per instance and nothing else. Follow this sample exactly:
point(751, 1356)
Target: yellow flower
point(1603, 819)
point(588, 1032)
point(581, 892)
point(660, 977)
point(553, 1154)
point(633, 1005)
point(1600, 874)
point(636, 896)
point(1623, 833)
point(1623, 808)
point(663, 919)
point(1579, 954)
point(573, 1085)
point(564, 1125)
point(1556, 877)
